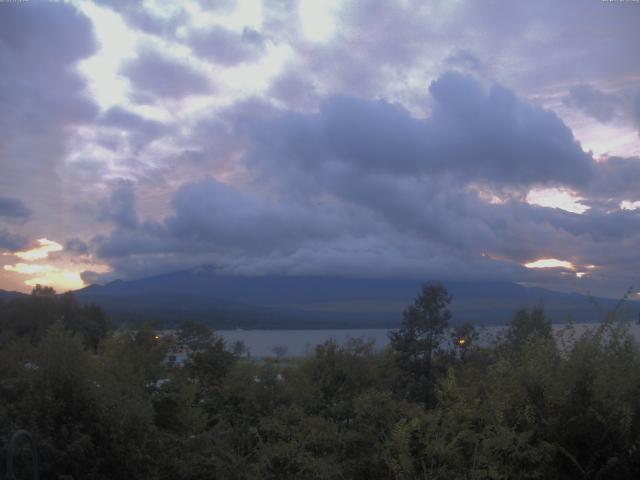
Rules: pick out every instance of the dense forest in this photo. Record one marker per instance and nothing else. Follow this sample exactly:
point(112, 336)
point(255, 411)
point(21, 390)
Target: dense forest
point(104, 404)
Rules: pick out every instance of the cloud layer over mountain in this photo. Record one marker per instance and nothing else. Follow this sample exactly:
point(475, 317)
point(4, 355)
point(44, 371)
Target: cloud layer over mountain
point(411, 142)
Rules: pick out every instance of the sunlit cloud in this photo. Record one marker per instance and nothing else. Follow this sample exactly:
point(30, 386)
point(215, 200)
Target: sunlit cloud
point(247, 13)
point(61, 272)
point(29, 269)
point(59, 279)
point(557, 198)
point(550, 263)
point(49, 275)
point(164, 8)
point(317, 19)
point(38, 253)
point(611, 140)
point(488, 196)
point(117, 44)
point(628, 205)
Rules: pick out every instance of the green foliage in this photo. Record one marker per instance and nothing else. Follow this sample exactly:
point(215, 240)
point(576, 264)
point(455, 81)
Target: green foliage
point(423, 327)
point(526, 324)
point(32, 316)
point(194, 335)
point(531, 405)
point(464, 338)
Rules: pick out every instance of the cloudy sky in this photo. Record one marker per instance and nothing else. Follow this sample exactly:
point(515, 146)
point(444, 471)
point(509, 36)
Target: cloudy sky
point(433, 140)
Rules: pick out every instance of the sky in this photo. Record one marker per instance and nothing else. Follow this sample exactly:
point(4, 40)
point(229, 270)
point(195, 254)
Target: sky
point(494, 140)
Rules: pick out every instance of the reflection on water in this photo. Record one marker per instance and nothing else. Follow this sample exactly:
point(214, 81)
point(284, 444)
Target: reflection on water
point(261, 343)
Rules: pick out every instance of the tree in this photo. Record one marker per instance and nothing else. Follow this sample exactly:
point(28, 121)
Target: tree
point(279, 351)
point(195, 335)
point(463, 336)
point(526, 324)
point(239, 348)
point(423, 326)
point(211, 363)
point(43, 291)
point(89, 320)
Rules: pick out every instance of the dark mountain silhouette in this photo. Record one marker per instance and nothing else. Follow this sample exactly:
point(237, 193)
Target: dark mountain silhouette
point(10, 295)
point(226, 301)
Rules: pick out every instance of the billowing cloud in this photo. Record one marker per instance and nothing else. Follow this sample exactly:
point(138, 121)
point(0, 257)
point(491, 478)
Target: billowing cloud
point(621, 107)
point(120, 208)
point(227, 47)
point(10, 241)
point(324, 137)
point(76, 245)
point(600, 105)
point(13, 208)
point(42, 101)
point(617, 180)
point(465, 61)
point(491, 137)
point(163, 76)
point(162, 22)
point(364, 180)
point(39, 252)
point(636, 111)
point(139, 131)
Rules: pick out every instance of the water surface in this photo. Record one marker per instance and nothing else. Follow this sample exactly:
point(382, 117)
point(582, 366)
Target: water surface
point(261, 343)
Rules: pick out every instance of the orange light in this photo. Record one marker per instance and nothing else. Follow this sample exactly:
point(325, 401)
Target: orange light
point(461, 342)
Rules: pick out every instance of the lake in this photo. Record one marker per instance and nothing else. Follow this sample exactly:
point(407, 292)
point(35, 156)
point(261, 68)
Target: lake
point(301, 342)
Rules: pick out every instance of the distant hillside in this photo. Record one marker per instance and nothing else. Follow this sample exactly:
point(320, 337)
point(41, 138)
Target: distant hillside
point(318, 302)
point(7, 295)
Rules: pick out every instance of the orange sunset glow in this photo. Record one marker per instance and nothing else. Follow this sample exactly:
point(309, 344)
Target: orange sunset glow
point(42, 251)
point(62, 272)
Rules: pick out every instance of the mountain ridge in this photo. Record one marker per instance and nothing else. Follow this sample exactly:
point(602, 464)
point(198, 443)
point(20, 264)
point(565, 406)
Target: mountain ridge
point(276, 301)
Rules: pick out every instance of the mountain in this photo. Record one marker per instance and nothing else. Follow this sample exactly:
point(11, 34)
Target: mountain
point(9, 295)
point(225, 301)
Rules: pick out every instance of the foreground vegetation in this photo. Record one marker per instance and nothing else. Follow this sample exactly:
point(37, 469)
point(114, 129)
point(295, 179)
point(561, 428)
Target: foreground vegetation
point(104, 405)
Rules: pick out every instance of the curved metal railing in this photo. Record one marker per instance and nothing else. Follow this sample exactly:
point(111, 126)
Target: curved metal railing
point(35, 463)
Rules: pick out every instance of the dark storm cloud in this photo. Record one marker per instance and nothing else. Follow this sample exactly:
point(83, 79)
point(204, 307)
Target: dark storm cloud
point(363, 187)
point(572, 42)
point(139, 131)
point(136, 16)
point(354, 160)
point(76, 245)
point(36, 29)
point(474, 134)
point(227, 47)
point(497, 137)
point(636, 111)
point(617, 179)
point(378, 48)
point(42, 97)
point(212, 212)
point(13, 208)
point(295, 89)
point(212, 217)
point(619, 108)
point(602, 106)
point(120, 208)
point(465, 60)
point(163, 76)
point(121, 118)
point(367, 180)
point(11, 242)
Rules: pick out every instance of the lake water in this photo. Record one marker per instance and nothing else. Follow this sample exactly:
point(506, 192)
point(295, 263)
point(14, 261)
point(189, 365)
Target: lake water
point(301, 342)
